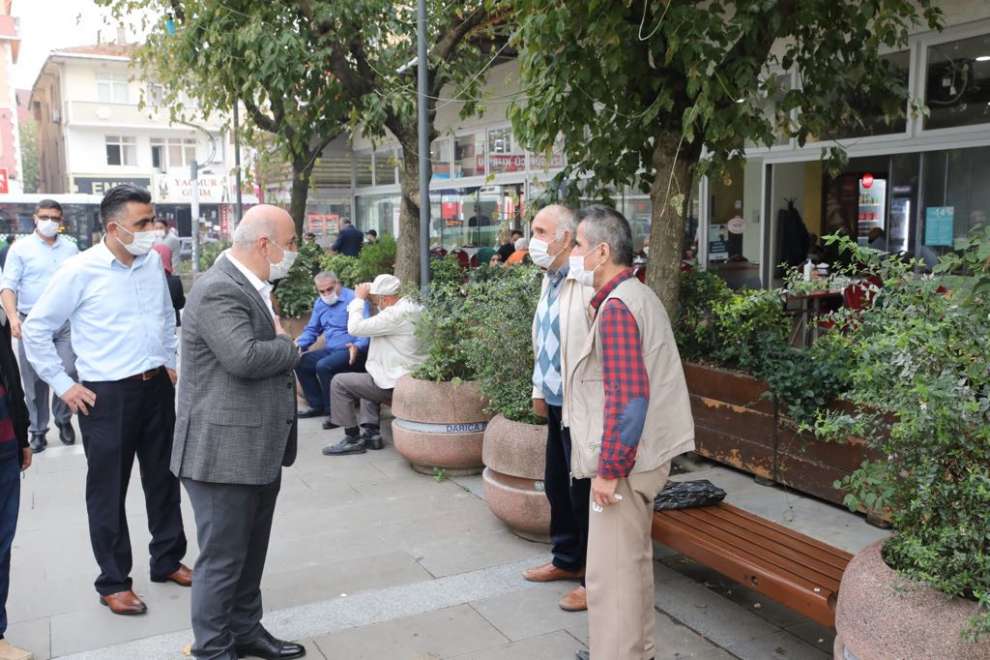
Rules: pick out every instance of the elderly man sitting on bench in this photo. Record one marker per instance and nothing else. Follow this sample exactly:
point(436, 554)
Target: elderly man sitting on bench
point(394, 352)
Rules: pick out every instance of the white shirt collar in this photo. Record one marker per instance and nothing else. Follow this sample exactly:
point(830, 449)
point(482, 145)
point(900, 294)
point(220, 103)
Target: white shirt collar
point(260, 285)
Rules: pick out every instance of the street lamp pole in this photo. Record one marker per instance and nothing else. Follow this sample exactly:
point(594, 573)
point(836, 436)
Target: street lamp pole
point(237, 164)
point(424, 149)
point(194, 212)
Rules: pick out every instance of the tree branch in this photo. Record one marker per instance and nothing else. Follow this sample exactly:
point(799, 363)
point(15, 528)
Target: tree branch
point(260, 119)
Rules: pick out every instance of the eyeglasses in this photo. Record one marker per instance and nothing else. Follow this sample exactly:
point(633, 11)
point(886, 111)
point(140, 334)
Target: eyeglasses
point(56, 218)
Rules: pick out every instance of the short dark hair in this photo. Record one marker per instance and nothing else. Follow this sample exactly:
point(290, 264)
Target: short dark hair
point(606, 225)
point(48, 204)
point(120, 196)
point(516, 232)
point(347, 222)
point(372, 232)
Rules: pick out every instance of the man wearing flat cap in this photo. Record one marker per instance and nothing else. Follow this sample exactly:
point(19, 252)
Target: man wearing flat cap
point(393, 352)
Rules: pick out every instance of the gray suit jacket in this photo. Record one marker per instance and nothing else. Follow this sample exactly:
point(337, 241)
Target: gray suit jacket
point(236, 418)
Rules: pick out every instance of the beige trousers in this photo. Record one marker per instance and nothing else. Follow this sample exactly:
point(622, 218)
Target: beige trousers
point(619, 570)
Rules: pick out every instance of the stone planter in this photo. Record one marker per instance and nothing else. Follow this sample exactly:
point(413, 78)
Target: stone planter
point(439, 425)
point(881, 616)
point(737, 426)
point(515, 458)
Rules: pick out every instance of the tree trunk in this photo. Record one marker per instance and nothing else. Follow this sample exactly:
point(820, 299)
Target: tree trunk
point(407, 242)
point(302, 168)
point(671, 190)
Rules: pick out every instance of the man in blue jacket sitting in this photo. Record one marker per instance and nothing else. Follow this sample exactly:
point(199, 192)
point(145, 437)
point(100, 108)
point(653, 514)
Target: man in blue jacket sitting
point(341, 352)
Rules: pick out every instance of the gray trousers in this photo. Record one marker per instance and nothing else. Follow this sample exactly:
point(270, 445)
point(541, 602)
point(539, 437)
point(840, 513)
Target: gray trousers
point(233, 525)
point(348, 391)
point(36, 390)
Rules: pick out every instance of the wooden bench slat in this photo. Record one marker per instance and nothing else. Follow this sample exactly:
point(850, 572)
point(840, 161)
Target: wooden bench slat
point(757, 556)
point(770, 542)
point(817, 606)
point(724, 508)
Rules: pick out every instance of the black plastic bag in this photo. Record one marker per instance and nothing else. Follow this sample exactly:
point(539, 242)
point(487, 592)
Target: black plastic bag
point(688, 494)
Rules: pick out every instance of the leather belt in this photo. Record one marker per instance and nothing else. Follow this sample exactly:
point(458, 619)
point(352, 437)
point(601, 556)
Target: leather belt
point(145, 375)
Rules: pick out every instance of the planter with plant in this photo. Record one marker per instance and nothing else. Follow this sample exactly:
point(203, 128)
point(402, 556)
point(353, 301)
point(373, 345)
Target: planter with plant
point(499, 351)
point(920, 381)
point(440, 414)
point(754, 396)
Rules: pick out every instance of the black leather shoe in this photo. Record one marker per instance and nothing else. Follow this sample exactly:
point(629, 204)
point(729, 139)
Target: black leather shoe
point(66, 433)
point(312, 412)
point(583, 655)
point(346, 446)
point(38, 443)
point(268, 647)
point(373, 440)
point(328, 425)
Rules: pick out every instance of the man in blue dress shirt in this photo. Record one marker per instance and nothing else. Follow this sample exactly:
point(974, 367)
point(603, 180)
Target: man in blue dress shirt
point(116, 301)
point(341, 352)
point(31, 264)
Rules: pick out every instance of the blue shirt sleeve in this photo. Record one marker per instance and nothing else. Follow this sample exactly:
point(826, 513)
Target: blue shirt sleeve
point(312, 330)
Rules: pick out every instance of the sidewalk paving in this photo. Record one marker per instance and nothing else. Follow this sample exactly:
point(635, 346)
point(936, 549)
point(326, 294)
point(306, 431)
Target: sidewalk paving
point(369, 559)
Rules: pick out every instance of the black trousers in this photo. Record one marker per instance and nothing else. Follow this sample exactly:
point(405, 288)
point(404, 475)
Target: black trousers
point(569, 498)
point(233, 525)
point(131, 418)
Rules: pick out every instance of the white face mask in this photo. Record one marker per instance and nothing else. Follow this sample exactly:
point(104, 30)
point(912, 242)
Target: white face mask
point(281, 269)
point(329, 298)
point(576, 271)
point(141, 245)
point(47, 228)
point(539, 252)
point(159, 235)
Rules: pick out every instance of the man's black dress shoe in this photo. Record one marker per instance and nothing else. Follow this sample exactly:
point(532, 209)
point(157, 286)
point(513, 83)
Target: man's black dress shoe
point(584, 654)
point(346, 446)
point(328, 425)
point(311, 412)
point(373, 439)
point(38, 443)
point(268, 647)
point(66, 433)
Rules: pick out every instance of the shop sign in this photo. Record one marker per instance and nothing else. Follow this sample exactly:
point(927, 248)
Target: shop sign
point(867, 180)
point(99, 185)
point(939, 226)
point(178, 189)
point(508, 162)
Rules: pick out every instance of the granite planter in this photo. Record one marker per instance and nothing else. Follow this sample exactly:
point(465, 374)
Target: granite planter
point(735, 424)
point(881, 616)
point(439, 426)
point(515, 459)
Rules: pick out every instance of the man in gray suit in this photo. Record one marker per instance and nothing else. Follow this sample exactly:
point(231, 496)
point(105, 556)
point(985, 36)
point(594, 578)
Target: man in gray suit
point(235, 430)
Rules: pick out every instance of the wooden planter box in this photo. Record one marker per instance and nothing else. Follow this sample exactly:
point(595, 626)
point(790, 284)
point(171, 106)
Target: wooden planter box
point(737, 426)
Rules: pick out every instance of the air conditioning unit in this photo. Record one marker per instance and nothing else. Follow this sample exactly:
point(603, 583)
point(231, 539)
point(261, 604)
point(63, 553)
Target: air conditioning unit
point(56, 116)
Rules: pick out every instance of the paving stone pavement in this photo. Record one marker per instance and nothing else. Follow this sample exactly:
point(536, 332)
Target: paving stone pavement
point(369, 559)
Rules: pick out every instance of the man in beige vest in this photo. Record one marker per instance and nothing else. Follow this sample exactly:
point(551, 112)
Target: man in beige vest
point(560, 327)
point(629, 416)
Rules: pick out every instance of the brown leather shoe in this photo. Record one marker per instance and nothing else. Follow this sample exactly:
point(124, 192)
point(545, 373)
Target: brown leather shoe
point(575, 601)
point(125, 603)
point(182, 576)
point(550, 573)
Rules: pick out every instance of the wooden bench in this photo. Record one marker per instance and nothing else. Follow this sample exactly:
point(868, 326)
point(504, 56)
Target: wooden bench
point(791, 568)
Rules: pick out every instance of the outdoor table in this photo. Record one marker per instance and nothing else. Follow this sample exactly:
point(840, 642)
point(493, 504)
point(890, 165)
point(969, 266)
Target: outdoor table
point(811, 305)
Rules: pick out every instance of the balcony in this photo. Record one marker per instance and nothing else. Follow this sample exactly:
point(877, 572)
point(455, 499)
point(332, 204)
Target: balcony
point(120, 115)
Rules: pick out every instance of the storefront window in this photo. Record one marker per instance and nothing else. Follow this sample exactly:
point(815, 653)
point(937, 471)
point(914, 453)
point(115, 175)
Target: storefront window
point(385, 162)
point(730, 254)
point(440, 158)
point(469, 155)
point(871, 118)
point(504, 154)
point(957, 87)
point(378, 212)
point(323, 218)
point(955, 198)
point(362, 169)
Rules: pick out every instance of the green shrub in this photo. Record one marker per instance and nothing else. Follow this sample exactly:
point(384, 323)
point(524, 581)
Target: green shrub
point(919, 376)
point(296, 293)
point(443, 327)
point(373, 260)
point(500, 309)
point(208, 253)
